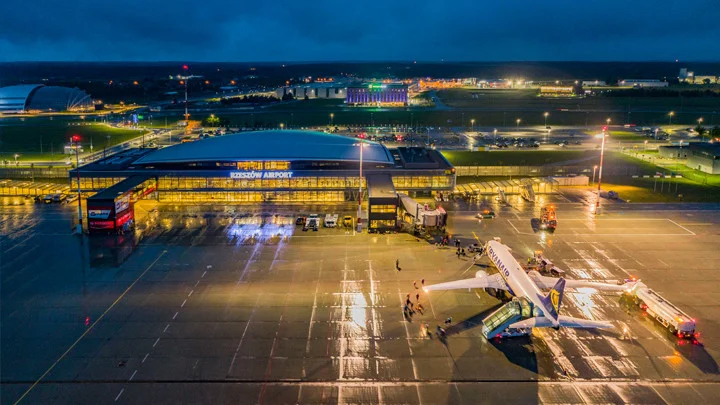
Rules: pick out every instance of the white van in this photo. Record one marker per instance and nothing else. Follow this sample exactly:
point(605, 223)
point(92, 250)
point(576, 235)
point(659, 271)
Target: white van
point(331, 220)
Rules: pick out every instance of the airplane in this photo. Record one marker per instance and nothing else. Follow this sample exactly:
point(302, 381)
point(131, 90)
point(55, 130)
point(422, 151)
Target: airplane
point(512, 277)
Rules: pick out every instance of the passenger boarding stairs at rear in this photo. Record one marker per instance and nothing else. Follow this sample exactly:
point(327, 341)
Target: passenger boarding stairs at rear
point(497, 324)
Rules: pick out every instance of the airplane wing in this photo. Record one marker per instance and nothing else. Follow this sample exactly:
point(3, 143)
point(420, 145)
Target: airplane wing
point(492, 281)
point(548, 282)
point(565, 322)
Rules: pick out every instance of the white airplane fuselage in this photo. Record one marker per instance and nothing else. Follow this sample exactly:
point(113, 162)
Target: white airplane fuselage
point(521, 285)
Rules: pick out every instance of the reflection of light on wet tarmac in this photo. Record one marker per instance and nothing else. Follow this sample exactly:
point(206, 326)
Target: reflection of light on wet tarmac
point(584, 300)
point(259, 229)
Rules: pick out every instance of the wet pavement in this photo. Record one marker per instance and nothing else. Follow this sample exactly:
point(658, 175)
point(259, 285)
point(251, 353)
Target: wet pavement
point(232, 304)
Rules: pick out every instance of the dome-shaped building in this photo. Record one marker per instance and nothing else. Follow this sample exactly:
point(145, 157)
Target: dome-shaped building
point(40, 98)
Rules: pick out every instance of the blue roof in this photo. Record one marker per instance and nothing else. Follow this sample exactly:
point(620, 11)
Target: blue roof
point(14, 98)
point(287, 145)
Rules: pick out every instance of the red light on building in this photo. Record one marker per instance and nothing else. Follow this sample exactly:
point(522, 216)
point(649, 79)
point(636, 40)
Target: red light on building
point(185, 67)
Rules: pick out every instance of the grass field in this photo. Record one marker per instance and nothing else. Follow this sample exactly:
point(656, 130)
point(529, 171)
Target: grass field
point(694, 186)
point(657, 190)
point(500, 117)
point(539, 158)
point(627, 135)
point(44, 139)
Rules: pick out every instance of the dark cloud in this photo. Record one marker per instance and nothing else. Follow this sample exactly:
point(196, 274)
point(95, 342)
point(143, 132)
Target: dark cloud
point(289, 30)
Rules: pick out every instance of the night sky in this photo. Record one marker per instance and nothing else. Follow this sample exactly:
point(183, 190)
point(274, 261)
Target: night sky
point(323, 30)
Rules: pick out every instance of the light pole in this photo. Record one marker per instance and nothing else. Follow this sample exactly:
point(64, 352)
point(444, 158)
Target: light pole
point(645, 145)
point(361, 145)
point(594, 169)
point(546, 115)
point(602, 154)
point(517, 124)
point(702, 134)
point(472, 125)
point(187, 78)
point(16, 156)
point(670, 115)
point(282, 125)
point(76, 139)
point(331, 118)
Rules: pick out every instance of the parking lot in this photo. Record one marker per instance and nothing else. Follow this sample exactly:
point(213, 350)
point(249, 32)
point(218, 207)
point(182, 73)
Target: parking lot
point(237, 304)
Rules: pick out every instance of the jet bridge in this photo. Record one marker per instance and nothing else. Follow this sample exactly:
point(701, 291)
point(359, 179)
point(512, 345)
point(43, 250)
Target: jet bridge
point(496, 325)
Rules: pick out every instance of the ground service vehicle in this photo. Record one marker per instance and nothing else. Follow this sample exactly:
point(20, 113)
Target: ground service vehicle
point(58, 198)
point(548, 220)
point(48, 199)
point(667, 314)
point(330, 220)
point(486, 213)
point(347, 221)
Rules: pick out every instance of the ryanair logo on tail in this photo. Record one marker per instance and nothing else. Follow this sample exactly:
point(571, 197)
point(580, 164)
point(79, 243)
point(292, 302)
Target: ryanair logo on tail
point(555, 300)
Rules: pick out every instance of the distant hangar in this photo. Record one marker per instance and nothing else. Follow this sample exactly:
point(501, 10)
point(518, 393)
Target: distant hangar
point(40, 98)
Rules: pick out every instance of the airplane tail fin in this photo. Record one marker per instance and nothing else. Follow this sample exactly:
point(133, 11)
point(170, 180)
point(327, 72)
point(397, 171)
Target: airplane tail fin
point(554, 298)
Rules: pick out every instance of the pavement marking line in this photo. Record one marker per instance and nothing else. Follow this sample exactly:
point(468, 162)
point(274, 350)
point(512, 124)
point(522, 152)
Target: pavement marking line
point(513, 226)
point(475, 236)
point(314, 308)
point(247, 325)
point(166, 328)
point(191, 291)
point(145, 358)
point(156, 342)
point(407, 335)
point(204, 273)
point(196, 283)
point(176, 314)
point(183, 304)
point(91, 327)
point(118, 395)
point(133, 375)
point(685, 229)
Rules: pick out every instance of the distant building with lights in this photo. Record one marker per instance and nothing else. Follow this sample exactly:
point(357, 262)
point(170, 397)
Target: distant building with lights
point(560, 91)
point(428, 83)
point(40, 98)
point(687, 76)
point(642, 83)
point(372, 94)
point(314, 90)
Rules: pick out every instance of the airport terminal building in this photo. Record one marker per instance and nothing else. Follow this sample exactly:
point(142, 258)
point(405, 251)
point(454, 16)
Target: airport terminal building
point(267, 167)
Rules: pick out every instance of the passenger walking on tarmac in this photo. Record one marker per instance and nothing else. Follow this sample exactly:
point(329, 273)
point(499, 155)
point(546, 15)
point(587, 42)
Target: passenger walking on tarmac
point(415, 284)
point(397, 264)
point(417, 297)
point(422, 282)
point(448, 321)
point(462, 252)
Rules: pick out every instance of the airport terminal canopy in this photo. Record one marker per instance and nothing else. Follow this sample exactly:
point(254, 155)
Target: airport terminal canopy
point(271, 145)
point(38, 97)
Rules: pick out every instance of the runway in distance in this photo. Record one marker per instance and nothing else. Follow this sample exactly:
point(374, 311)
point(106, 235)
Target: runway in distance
point(513, 278)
